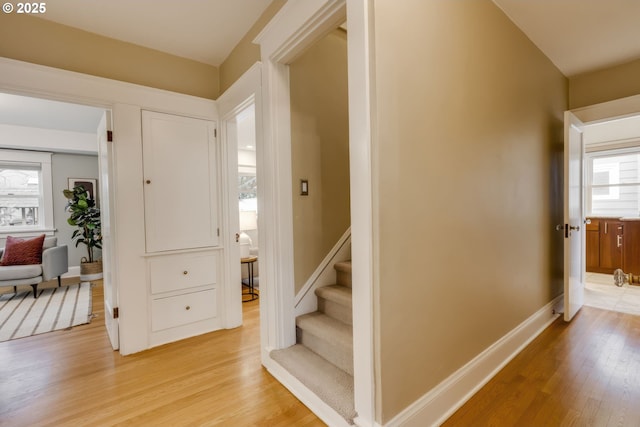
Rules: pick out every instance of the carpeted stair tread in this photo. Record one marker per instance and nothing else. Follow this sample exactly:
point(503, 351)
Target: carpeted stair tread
point(326, 328)
point(344, 266)
point(343, 273)
point(331, 384)
point(336, 293)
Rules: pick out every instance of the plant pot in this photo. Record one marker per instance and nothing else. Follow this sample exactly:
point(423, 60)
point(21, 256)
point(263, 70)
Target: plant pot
point(90, 271)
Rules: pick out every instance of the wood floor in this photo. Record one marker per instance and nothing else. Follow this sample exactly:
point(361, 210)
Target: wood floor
point(73, 378)
point(585, 373)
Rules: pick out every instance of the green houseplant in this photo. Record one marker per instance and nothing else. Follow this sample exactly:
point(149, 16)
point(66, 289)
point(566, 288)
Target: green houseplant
point(85, 215)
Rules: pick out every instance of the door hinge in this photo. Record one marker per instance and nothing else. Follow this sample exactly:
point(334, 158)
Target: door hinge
point(218, 232)
point(110, 136)
point(215, 133)
point(116, 312)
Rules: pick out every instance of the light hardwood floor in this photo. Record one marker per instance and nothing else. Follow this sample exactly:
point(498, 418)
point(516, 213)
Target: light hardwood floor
point(73, 378)
point(583, 373)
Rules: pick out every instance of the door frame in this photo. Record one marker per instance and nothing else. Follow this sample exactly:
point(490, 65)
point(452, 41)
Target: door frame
point(602, 112)
point(294, 28)
point(242, 93)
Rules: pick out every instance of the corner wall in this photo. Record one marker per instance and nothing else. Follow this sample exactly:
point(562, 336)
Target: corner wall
point(319, 151)
point(468, 168)
point(598, 86)
point(63, 167)
point(43, 42)
point(246, 53)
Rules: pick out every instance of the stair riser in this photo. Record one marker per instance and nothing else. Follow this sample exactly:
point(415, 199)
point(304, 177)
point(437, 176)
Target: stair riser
point(343, 278)
point(341, 357)
point(335, 310)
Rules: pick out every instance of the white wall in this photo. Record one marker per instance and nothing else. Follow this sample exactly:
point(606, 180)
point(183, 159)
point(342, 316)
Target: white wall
point(64, 166)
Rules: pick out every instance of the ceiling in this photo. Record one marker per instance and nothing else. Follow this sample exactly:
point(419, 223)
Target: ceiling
point(44, 114)
point(202, 30)
point(579, 35)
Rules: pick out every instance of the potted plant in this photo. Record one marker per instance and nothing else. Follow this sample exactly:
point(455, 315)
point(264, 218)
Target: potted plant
point(86, 216)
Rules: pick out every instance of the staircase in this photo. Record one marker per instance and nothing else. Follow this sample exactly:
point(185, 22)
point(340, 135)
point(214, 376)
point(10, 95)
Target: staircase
point(322, 359)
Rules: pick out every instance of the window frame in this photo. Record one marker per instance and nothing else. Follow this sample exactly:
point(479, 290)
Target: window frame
point(45, 212)
point(589, 158)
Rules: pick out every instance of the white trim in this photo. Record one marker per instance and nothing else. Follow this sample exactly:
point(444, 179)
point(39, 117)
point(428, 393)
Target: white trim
point(323, 411)
point(125, 100)
point(441, 402)
point(364, 255)
point(295, 27)
point(243, 92)
point(306, 300)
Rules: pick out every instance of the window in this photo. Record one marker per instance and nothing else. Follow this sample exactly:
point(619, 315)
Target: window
point(25, 192)
point(613, 183)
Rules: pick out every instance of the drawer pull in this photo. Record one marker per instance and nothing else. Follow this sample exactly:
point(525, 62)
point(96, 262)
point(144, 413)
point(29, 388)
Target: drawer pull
point(185, 272)
point(188, 307)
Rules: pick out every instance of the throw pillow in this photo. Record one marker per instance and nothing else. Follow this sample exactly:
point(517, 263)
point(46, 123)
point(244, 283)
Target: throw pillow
point(22, 252)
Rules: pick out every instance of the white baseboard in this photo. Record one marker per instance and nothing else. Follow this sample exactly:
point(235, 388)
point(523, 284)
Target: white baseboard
point(323, 411)
point(441, 402)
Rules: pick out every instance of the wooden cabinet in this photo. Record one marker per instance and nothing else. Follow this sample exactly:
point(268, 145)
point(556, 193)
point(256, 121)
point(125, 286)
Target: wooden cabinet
point(605, 245)
point(180, 169)
point(611, 245)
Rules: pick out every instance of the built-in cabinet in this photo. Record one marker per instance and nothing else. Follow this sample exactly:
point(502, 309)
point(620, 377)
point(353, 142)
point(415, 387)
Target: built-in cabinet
point(181, 225)
point(612, 243)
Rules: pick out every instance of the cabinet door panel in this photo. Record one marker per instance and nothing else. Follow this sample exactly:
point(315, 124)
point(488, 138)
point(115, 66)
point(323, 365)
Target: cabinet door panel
point(180, 182)
point(593, 250)
point(632, 247)
point(611, 244)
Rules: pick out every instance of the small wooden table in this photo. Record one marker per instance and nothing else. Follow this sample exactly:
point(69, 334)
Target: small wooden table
point(251, 292)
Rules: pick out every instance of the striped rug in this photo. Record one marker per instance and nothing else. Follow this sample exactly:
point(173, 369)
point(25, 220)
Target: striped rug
point(21, 315)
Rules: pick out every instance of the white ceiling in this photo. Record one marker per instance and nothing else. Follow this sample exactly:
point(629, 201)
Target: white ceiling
point(579, 35)
point(202, 30)
point(44, 114)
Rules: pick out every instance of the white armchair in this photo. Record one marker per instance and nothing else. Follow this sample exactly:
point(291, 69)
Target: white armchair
point(54, 264)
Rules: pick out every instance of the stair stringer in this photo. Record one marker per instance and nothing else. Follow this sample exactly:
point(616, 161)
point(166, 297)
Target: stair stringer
point(306, 300)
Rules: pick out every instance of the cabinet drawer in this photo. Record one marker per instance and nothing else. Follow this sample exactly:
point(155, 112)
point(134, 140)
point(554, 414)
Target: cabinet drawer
point(178, 272)
point(183, 309)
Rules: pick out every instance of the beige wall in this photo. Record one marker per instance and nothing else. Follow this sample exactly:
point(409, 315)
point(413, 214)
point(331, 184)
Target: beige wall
point(38, 41)
point(468, 159)
point(608, 84)
point(319, 151)
point(246, 53)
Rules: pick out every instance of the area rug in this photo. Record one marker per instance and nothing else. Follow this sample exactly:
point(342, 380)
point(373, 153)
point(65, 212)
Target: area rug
point(21, 315)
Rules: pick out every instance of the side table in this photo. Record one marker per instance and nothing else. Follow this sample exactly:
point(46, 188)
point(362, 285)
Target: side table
point(251, 293)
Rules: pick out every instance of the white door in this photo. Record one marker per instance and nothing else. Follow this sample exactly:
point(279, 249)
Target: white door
point(574, 233)
point(106, 156)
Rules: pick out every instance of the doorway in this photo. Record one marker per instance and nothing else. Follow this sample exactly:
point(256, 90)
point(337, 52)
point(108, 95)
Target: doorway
point(612, 208)
point(244, 125)
point(76, 137)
